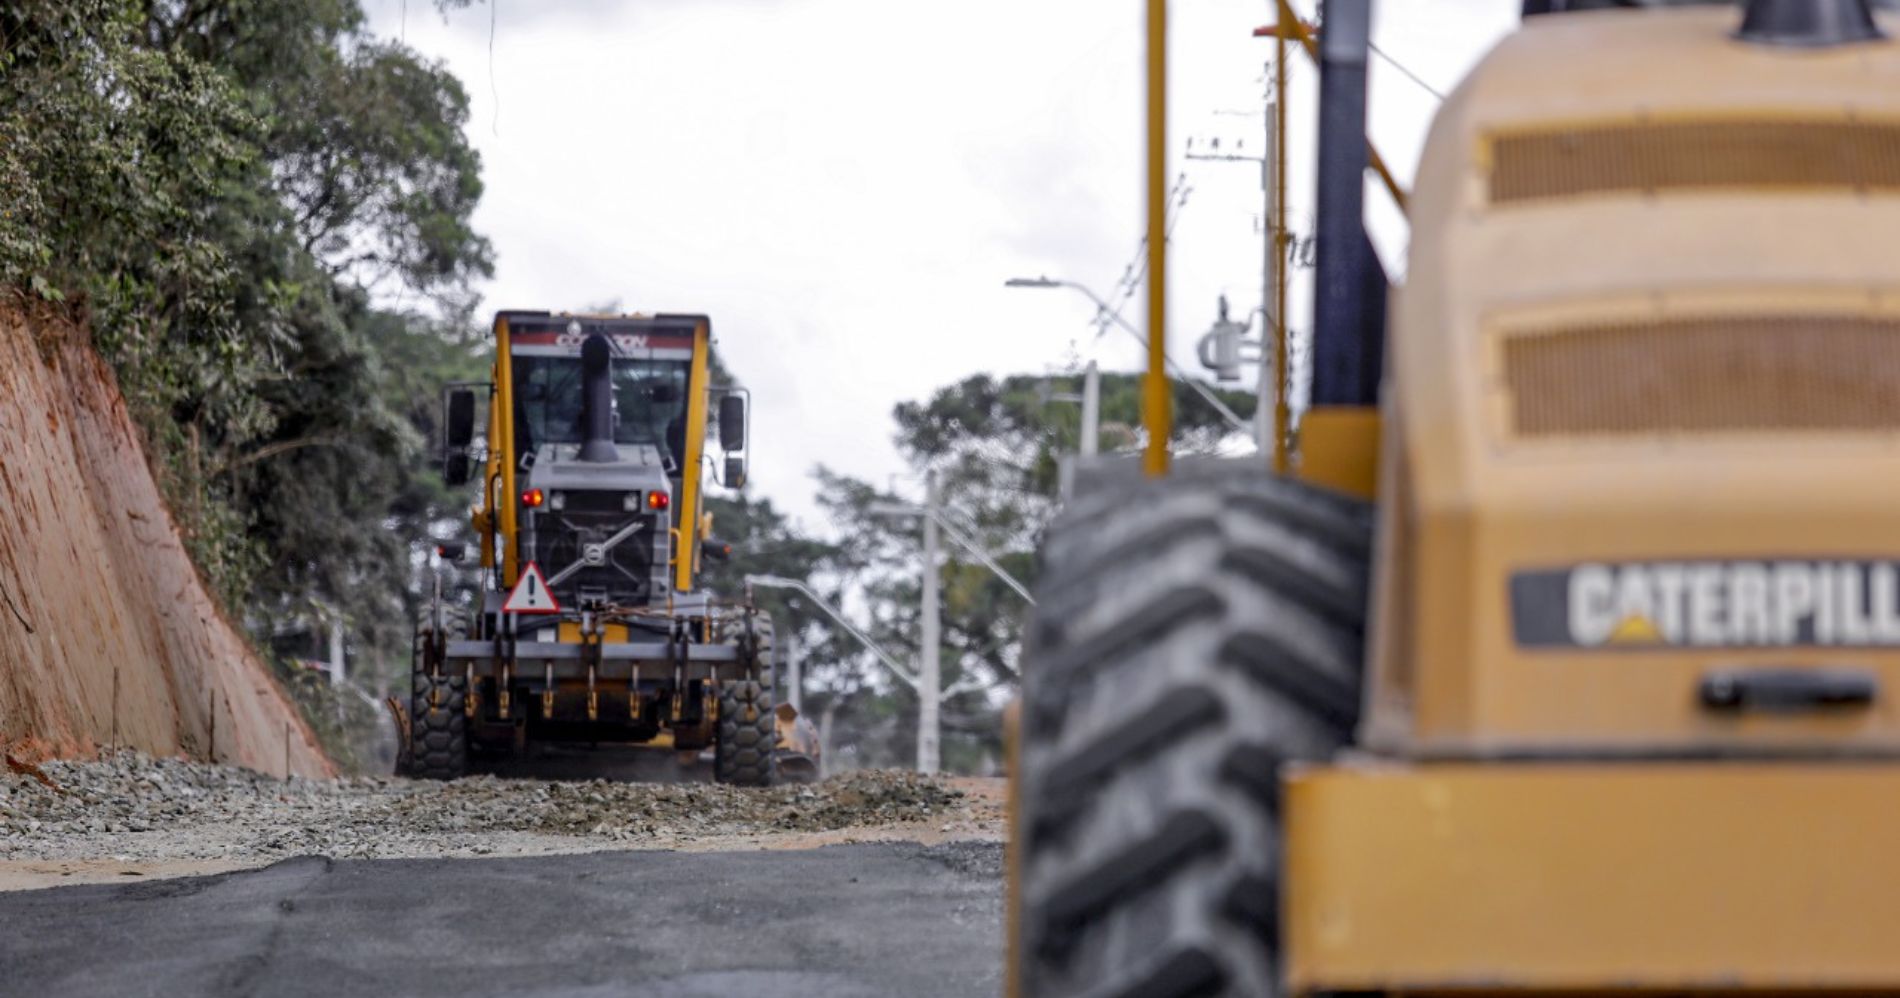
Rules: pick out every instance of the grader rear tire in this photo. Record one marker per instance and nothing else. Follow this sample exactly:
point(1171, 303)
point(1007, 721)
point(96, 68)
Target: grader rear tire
point(748, 728)
point(438, 720)
point(1191, 637)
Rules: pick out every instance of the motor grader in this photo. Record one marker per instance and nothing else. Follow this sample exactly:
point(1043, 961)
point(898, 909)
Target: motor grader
point(590, 533)
point(1565, 660)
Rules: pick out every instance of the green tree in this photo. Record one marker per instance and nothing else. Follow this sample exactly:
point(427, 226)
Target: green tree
point(994, 444)
point(224, 190)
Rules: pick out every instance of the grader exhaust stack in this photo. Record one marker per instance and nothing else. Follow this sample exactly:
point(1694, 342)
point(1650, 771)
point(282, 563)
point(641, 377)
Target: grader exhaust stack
point(597, 401)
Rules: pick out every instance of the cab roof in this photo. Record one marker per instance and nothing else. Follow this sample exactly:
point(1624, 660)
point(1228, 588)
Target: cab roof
point(523, 321)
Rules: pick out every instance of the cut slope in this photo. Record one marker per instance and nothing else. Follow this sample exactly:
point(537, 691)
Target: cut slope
point(107, 634)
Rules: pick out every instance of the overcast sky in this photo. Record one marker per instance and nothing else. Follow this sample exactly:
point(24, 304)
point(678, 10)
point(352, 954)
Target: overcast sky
point(844, 185)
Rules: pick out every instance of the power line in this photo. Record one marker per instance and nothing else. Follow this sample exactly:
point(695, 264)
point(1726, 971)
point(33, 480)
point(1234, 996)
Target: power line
point(1136, 269)
point(1395, 64)
point(1414, 77)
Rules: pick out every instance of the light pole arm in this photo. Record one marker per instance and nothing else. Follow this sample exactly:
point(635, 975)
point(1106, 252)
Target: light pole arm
point(777, 582)
point(956, 534)
point(984, 557)
point(1175, 369)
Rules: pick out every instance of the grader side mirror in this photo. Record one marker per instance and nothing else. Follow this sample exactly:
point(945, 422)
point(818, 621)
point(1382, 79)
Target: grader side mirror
point(459, 428)
point(458, 432)
point(735, 472)
point(455, 468)
point(732, 423)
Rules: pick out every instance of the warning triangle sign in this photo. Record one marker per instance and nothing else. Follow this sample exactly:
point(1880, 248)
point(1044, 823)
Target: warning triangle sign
point(531, 594)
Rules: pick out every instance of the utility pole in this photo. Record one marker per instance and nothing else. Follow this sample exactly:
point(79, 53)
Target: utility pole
point(793, 681)
point(1266, 410)
point(1276, 150)
point(336, 650)
point(1267, 419)
point(1091, 410)
point(1091, 435)
point(930, 680)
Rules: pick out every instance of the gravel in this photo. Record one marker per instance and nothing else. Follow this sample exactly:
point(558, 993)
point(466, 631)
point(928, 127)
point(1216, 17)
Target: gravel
point(129, 807)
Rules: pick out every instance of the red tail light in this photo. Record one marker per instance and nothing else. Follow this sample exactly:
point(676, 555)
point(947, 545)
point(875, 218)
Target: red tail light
point(532, 498)
point(658, 500)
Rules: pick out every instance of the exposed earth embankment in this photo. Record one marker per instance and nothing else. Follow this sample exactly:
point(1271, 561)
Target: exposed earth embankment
point(107, 633)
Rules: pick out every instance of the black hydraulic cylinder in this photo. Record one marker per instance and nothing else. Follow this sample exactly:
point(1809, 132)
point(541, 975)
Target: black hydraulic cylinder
point(597, 401)
point(1349, 294)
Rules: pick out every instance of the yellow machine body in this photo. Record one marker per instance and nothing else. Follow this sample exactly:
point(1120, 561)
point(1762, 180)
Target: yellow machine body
point(1640, 435)
point(1591, 878)
point(1652, 318)
point(643, 663)
point(497, 519)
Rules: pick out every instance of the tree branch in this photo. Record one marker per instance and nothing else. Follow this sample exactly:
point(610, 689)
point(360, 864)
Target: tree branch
point(271, 450)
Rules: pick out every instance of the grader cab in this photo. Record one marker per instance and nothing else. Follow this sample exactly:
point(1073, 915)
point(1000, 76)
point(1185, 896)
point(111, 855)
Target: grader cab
point(590, 533)
point(1565, 660)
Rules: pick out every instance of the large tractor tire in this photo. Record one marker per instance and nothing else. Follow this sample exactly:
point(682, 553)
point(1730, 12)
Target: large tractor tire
point(748, 727)
point(438, 717)
point(1192, 636)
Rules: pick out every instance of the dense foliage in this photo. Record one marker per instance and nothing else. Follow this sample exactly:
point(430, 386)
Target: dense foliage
point(221, 190)
point(995, 446)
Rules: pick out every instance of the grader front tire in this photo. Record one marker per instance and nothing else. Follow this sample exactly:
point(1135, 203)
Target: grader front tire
point(748, 727)
point(438, 719)
point(438, 727)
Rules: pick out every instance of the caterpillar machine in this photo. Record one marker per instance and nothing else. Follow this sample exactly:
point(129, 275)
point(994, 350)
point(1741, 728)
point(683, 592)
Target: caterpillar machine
point(1568, 659)
point(591, 531)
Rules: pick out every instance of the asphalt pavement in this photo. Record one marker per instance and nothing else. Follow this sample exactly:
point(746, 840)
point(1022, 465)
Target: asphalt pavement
point(849, 921)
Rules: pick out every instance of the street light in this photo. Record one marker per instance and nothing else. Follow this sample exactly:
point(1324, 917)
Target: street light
point(956, 534)
point(928, 693)
point(779, 582)
point(929, 624)
point(1103, 309)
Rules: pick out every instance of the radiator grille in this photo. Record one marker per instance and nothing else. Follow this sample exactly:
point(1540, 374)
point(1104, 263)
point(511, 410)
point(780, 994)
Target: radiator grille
point(632, 570)
point(1706, 375)
point(1662, 156)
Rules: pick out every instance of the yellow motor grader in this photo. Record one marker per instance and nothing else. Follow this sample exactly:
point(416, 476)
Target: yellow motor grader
point(1567, 660)
point(591, 530)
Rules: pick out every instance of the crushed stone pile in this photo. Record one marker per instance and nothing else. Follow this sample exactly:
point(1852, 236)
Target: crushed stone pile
point(128, 806)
